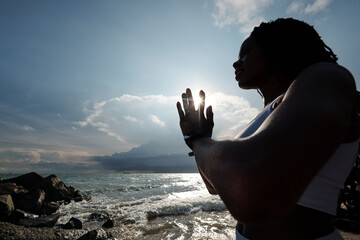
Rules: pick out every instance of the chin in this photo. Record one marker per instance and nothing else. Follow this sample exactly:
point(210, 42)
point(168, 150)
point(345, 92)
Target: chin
point(243, 85)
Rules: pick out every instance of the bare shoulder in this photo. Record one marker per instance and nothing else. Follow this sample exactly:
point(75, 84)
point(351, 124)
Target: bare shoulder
point(330, 68)
point(323, 82)
point(326, 74)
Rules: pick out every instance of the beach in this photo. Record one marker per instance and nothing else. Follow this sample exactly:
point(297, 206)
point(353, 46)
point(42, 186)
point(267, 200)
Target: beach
point(142, 206)
point(146, 206)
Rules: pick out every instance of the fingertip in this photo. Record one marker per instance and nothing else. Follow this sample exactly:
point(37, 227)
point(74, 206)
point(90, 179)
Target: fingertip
point(209, 110)
point(178, 106)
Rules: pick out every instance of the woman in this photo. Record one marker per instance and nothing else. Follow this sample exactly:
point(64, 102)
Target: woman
point(281, 176)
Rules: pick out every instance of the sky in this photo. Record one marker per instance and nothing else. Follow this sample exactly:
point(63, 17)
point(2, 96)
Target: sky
point(80, 79)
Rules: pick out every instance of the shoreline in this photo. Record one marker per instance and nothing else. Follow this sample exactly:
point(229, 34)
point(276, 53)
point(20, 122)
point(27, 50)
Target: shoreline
point(9, 231)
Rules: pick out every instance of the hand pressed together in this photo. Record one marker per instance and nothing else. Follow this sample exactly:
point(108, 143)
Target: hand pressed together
point(194, 121)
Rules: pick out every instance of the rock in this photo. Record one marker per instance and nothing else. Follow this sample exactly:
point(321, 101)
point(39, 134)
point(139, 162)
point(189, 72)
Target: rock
point(31, 202)
point(108, 224)
point(49, 208)
point(78, 197)
point(6, 206)
point(128, 221)
point(99, 216)
point(89, 236)
point(45, 221)
point(55, 189)
point(347, 225)
point(151, 215)
point(18, 214)
point(73, 223)
point(10, 231)
point(77, 193)
point(27, 180)
point(86, 197)
point(11, 189)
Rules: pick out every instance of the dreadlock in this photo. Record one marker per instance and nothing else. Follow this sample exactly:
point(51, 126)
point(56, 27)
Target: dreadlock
point(290, 46)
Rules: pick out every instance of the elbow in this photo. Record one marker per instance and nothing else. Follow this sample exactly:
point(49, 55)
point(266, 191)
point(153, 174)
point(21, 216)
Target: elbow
point(258, 212)
point(251, 200)
point(212, 191)
point(251, 192)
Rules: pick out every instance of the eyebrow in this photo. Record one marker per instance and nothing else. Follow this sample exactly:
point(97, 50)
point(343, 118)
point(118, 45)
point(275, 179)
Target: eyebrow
point(244, 48)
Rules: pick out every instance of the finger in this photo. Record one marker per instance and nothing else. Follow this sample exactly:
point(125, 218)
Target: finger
point(190, 100)
point(210, 115)
point(180, 111)
point(202, 102)
point(185, 102)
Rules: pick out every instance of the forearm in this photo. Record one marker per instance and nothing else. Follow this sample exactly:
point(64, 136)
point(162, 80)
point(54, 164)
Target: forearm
point(218, 164)
point(208, 185)
point(236, 171)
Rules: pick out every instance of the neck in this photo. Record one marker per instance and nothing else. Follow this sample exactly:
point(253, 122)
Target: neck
point(272, 91)
point(268, 98)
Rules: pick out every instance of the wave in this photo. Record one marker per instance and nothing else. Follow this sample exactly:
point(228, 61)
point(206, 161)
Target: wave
point(122, 189)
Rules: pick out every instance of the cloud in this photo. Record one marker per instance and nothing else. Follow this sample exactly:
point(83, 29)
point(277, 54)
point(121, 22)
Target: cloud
point(117, 124)
point(17, 160)
point(246, 13)
point(295, 7)
point(317, 6)
point(27, 128)
point(299, 7)
point(231, 114)
point(130, 119)
point(156, 120)
point(250, 13)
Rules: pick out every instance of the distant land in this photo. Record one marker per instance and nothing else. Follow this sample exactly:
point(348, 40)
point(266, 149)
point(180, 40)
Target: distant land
point(152, 157)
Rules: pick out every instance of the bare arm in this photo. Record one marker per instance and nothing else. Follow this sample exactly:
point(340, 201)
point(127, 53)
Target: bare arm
point(195, 120)
point(260, 178)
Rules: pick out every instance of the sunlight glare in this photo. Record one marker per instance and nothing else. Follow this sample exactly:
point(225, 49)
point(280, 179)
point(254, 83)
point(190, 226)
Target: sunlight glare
point(197, 100)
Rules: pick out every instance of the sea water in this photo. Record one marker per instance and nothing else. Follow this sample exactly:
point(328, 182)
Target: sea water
point(149, 206)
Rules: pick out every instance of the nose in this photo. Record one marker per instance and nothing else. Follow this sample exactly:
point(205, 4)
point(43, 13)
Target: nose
point(236, 64)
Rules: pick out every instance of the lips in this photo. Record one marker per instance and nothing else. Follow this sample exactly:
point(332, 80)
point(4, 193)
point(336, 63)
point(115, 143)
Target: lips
point(237, 72)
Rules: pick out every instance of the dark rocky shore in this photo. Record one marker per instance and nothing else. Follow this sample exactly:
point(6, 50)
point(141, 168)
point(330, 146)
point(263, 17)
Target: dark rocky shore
point(10, 231)
point(29, 209)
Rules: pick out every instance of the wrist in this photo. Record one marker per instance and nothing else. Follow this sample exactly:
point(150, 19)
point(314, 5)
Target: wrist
point(189, 139)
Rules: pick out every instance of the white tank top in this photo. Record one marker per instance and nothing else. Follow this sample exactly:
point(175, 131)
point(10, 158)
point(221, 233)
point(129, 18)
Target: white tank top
point(323, 191)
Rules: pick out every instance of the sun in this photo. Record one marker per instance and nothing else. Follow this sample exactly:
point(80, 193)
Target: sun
point(197, 99)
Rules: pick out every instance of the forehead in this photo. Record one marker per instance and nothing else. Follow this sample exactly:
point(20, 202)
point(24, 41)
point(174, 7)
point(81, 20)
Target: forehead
point(249, 42)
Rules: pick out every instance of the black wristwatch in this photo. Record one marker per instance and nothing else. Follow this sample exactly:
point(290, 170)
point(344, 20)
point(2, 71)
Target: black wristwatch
point(190, 138)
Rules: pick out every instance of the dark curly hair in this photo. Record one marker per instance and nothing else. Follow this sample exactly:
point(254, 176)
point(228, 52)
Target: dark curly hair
point(290, 46)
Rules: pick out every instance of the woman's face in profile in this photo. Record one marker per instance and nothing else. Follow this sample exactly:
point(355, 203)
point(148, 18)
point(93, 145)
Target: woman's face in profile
point(251, 68)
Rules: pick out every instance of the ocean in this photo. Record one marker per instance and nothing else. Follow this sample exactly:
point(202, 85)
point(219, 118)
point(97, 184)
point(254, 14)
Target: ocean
point(149, 206)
